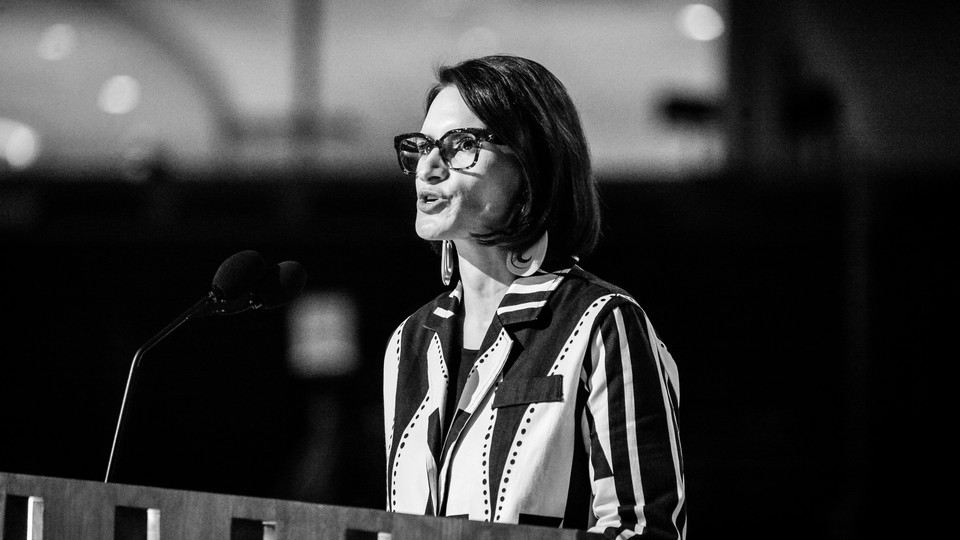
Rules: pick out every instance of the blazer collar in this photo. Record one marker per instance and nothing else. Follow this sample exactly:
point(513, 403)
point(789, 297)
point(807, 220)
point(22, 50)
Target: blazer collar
point(444, 309)
point(523, 301)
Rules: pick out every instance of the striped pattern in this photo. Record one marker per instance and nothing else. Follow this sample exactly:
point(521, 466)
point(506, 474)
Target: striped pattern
point(587, 408)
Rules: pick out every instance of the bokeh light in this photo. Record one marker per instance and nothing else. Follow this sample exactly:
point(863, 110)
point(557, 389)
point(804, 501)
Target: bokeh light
point(19, 144)
point(57, 42)
point(119, 95)
point(700, 22)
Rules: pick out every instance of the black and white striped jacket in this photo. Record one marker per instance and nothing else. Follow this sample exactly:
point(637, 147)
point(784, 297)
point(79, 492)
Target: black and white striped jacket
point(568, 417)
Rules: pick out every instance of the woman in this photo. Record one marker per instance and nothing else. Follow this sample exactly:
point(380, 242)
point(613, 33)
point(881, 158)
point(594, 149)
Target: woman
point(532, 392)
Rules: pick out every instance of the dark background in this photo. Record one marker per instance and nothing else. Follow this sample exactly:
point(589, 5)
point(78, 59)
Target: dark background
point(808, 293)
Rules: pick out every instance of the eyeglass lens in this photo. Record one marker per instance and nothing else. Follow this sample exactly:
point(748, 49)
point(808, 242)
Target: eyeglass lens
point(458, 150)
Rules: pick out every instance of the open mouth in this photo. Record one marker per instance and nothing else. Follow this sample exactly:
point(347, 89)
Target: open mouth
point(428, 202)
point(428, 197)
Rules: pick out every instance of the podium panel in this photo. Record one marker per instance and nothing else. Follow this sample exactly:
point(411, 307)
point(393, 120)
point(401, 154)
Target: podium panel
point(38, 507)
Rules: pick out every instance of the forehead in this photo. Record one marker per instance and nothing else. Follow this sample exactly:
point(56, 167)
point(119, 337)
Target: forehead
point(449, 111)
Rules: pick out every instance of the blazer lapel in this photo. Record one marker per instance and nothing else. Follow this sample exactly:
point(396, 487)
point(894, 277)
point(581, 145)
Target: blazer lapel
point(523, 302)
point(442, 321)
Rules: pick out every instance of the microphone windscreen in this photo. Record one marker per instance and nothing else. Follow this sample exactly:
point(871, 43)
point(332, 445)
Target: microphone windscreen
point(238, 275)
point(281, 284)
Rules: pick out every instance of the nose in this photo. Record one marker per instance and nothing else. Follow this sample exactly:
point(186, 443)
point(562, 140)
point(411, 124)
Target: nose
point(431, 168)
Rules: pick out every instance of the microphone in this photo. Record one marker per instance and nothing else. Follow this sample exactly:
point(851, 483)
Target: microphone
point(237, 275)
point(280, 284)
point(235, 278)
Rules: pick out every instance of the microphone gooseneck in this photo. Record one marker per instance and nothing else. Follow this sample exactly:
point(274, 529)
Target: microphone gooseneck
point(235, 277)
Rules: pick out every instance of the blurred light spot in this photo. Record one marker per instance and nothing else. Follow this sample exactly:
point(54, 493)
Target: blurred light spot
point(119, 95)
point(323, 338)
point(57, 42)
point(700, 22)
point(19, 144)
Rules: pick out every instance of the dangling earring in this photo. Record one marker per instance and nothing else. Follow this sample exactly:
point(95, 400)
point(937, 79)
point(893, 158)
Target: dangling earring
point(527, 263)
point(447, 260)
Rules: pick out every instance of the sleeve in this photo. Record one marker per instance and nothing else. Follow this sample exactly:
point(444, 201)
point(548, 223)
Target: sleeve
point(636, 465)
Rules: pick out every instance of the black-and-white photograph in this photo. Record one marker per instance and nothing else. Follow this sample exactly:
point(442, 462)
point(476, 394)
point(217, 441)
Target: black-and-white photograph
point(513, 269)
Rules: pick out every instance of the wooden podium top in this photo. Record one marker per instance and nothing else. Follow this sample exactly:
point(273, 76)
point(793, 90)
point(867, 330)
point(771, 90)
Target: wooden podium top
point(45, 507)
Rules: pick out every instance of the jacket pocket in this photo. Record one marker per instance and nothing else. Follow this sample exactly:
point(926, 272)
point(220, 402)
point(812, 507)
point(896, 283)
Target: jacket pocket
point(529, 390)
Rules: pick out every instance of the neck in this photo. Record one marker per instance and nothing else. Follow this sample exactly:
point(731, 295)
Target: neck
point(485, 278)
point(483, 270)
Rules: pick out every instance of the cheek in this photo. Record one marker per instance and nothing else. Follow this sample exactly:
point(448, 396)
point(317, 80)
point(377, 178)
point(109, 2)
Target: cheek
point(504, 185)
point(494, 207)
point(507, 198)
point(502, 204)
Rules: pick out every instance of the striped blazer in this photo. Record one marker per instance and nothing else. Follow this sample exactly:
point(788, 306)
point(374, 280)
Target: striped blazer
point(568, 417)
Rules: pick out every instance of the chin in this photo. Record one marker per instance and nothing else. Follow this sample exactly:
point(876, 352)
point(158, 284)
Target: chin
point(429, 231)
point(429, 236)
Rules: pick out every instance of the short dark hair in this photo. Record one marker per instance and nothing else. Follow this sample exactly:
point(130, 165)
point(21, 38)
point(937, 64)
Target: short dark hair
point(530, 110)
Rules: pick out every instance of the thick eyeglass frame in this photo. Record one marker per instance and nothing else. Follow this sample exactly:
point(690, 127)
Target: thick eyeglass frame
point(482, 135)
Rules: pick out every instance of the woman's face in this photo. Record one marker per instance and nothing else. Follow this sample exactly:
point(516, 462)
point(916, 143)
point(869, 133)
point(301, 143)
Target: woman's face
point(453, 204)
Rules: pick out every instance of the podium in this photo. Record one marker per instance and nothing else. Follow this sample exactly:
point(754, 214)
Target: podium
point(38, 507)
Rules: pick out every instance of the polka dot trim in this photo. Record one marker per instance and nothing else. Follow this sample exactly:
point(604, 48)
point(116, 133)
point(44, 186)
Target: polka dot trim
point(403, 442)
point(583, 319)
point(486, 355)
point(588, 315)
point(484, 463)
point(397, 341)
point(443, 365)
point(518, 444)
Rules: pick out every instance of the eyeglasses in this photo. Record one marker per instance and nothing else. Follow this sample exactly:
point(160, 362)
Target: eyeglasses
point(459, 148)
